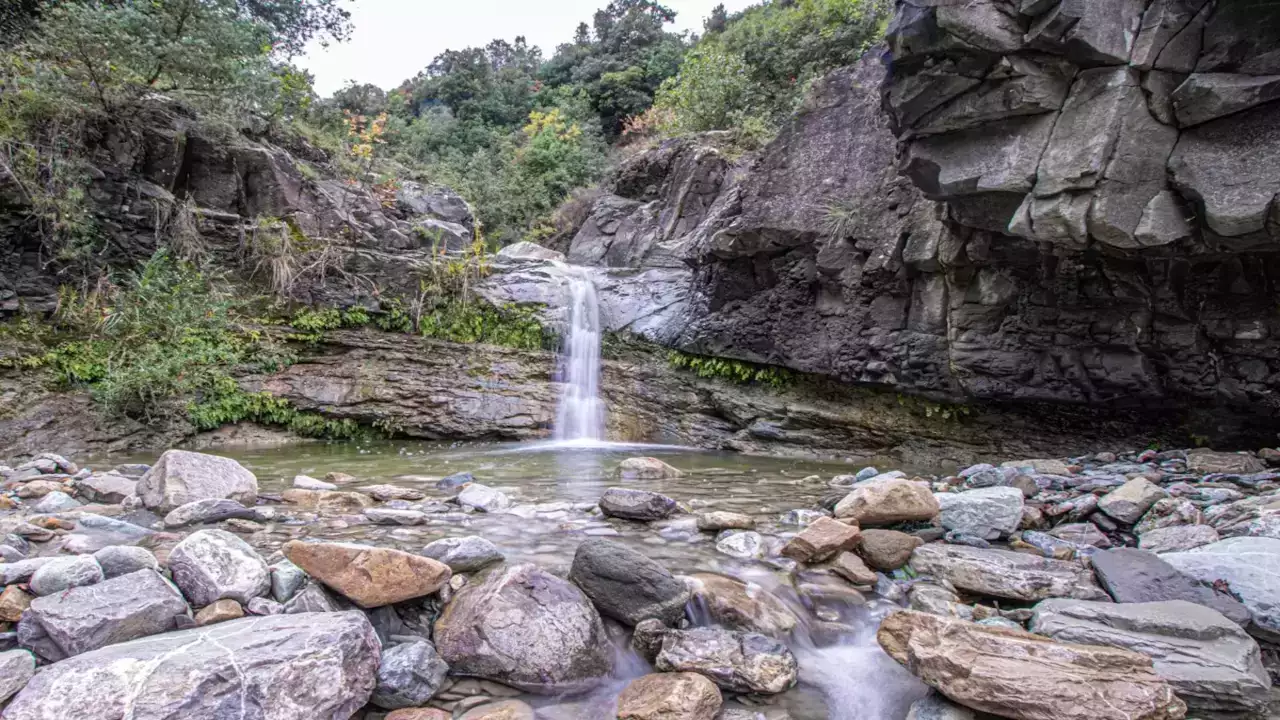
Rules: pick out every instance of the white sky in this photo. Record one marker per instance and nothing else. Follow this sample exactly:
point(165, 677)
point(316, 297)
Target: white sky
point(394, 39)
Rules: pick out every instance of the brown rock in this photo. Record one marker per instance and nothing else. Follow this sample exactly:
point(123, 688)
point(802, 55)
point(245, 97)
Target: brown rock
point(328, 500)
point(885, 502)
point(221, 611)
point(39, 488)
point(370, 576)
point(391, 492)
point(887, 549)
point(420, 714)
point(1022, 676)
point(7, 503)
point(823, 538)
point(852, 568)
point(504, 710)
point(741, 606)
point(13, 602)
point(338, 478)
point(669, 696)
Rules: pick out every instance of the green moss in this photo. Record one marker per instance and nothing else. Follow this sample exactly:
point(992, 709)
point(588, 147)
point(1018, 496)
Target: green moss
point(945, 412)
point(509, 326)
point(226, 403)
point(734, 371)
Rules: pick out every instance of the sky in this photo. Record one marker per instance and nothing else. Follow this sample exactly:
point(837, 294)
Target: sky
point(394, 39)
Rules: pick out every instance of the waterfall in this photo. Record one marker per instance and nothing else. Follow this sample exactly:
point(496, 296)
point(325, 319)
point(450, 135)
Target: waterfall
point(581, 414)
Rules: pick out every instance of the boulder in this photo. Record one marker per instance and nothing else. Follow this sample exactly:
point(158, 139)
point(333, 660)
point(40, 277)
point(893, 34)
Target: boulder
point(284, 667)
point(22, 570)
point(501, 710)
point(887, 549)
point(221, 611)
point(409, 675)
point(55, 502)
point(1177, 538)
point(1018, 675)
point(1005, 574)
point(180, 477)
point(936, 706)
point(739, 605)
point(328, 501)
point(313, 598)
point(306, 482)
point(640, 505)
point(743, 544)
point(106, 488)
point(720, 520)
point(483, 498)
point(852, 568)
point(95, 532)
point(420, 714)
point(1213, 665)
point(37, 489)
point(384, 493)
point(1085, 533)
point(84, 619)
point(286, 580)
point(389, 516)
point(735, 661)
point(646, 468)
point(625, 585)
point(1208, 462)
point(1138, 576)
point(823, 538)
point(64, 573)
point(1128, 502)
point(120, 560)
point(13, 603)
point(669, 696)
point(369, 576)
point(214, 564)
point(1247, 565)
point(17, 667)
point(211, 510)
point(989, 513)
point(455, 480)
point(464, 554)
point(886, 502)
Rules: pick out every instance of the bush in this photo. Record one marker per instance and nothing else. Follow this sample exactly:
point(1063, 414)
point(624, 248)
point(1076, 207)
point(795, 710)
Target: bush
point(712, 92)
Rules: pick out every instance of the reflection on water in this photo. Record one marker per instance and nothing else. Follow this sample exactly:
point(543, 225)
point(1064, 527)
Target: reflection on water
point(554, 488)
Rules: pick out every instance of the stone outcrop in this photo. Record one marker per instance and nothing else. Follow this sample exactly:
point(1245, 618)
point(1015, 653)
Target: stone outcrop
point(1015, 674)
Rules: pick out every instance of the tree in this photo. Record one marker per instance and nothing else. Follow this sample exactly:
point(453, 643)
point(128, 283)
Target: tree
point(718, 20)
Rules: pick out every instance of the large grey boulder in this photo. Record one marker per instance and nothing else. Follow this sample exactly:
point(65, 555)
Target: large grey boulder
point(65, 573)
point(1139, 576)
point(409, 675)
point(736, 661)
point(1005, 574)
point(1128, 502)
point(180, 477)
point(483, 498)
point(120, 560)
point(211, 565)
point(109, 488)
point(463, 554)
point(989, 513)
point(526, 628)
point(282, 667)
point(626, 585)
point(1250, 566)
point(1211, 662)
point(17, 667)
point(83, 619)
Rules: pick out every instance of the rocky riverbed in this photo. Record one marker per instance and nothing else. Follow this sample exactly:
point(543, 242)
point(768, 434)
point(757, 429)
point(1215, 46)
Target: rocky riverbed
point(498, 582)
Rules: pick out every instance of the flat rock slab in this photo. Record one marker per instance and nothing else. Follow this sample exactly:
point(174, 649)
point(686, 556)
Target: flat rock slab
point(1005, 574)
point(282, 667)
point(1015, 674)
point(1139, 576)
point(1251, 568)
point(1211, 662)
point(369, 576)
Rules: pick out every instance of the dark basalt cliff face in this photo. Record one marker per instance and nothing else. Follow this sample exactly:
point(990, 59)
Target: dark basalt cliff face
point(1029, 204)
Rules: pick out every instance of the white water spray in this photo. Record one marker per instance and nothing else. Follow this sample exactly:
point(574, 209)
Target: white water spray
point(580, 418)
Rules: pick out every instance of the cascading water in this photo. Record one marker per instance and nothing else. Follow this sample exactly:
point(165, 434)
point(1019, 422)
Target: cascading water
point(580, 418)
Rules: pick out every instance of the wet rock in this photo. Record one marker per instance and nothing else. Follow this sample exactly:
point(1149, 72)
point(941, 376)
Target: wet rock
point(368, 576)
point(646, 468)
point(120, 560)
point(740, 605)
point(17, 667)
point(1128, 502)
point(627, 586)
point(936, 706)
point(640, 505)
point(1015, 674)
point(852, 568)
point(1081, 534)
point(669, 696)
point(384, 493)
point(885, 502)
point(55, 502)
point(84, 619)
point(823, 538)
point(214, 564)
point(455, 480)
point(1247, 566)
point(1004, 574)
point(304, 482)
point(286, 667)
point(646, 639)
point(1177, 538)
point(221, 611)
point(988, 513)
point(887, 549)
point(743, 545)
point(501, 710)
point(64, 573)
point(180, 477)
point(13, 602)
point(526, 628)
point(286, 580)
point(1138, 576)
point(409, 675)
point(206, 511)
point(328, 501)
point(107, 488)
point(483, 498)
point(387, 516)
point(720, 520)
point(735, 661)
point(1211, 663)
point(464, 554)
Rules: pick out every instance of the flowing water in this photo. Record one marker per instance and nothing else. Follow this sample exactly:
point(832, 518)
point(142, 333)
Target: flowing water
point(580, 418)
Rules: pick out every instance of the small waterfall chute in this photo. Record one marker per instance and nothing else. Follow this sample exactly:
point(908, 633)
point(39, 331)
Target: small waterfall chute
point(580, 417)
